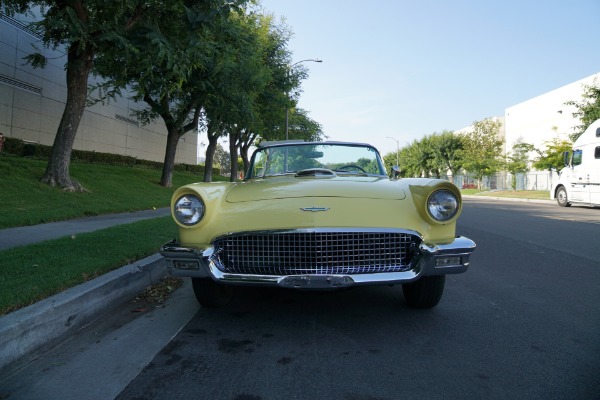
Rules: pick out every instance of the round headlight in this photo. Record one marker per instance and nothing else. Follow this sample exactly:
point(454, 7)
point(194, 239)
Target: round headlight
point(442, 205)
point(188, 209)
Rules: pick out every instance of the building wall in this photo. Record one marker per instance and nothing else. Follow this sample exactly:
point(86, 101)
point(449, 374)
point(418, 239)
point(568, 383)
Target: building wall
point(544, 117)
point(32, 102)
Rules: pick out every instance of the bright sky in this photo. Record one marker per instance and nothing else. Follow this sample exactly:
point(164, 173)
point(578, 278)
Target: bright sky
point(404, 69)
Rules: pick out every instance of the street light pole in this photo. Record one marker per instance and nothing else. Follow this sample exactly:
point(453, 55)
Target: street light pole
point(397, 150)
point(287, 108)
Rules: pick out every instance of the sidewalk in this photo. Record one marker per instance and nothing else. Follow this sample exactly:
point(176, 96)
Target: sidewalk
point(24, 235)
point(23, 333)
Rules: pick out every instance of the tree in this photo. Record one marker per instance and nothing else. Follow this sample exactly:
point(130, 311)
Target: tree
point(84, 28)
point(301, 126)
point(517, 161)
point(221, 158)
point(251, 105)
point(482, 148)
point(434, 154)
point(588, 109)
point(436, 162)
point(244, 71)
point(447, 151)
point(414, 159)
point(552, 158)
point(169, 66)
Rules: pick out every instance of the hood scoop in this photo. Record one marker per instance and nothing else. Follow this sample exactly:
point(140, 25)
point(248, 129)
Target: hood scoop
point(316, 172)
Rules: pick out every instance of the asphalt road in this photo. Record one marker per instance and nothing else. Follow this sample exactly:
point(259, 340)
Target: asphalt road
point(522, 323)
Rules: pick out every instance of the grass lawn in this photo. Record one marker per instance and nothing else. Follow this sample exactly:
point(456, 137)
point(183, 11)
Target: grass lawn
point(27, 201)
point(31, 273)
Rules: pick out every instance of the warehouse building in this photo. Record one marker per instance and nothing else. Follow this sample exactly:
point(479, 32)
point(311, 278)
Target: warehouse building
point(539, 120)
point(32, 101)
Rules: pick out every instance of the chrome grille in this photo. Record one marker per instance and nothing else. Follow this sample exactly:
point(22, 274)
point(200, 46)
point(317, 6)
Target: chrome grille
point(320, 253)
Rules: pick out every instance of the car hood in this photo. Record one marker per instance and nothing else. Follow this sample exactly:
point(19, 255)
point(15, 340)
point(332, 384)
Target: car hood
point(295, 187)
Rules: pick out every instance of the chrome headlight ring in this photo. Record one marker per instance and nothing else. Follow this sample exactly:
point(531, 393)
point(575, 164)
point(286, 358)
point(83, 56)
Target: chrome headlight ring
point(189, 209)
point(442, 205)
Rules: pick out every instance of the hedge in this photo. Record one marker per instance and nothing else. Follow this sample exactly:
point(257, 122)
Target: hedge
point(18, 147)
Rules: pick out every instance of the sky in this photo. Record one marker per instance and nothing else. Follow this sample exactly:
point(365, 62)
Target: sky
point(394, 70)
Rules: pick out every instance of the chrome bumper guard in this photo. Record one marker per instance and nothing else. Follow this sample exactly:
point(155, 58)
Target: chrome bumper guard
point(451, 258)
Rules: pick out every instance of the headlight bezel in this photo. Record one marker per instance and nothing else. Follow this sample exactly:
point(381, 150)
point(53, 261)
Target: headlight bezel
point(196, 207)
point(443, 205)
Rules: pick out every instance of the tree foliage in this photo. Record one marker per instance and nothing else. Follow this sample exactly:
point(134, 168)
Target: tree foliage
point(255, 108)
point(448, 151)
point(433, 155)
point(301, 126)
point(170, 66)
point(221, 159)
point(250, 65)
point(482, 148)
point(517, 161)
point(553, 156)
point(588, 109)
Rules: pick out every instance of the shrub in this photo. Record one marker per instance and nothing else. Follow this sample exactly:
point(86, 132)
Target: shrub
point(20, 148)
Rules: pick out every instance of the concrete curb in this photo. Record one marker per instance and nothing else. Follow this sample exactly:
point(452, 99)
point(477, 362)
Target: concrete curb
point(43, 324)
point(510, 199)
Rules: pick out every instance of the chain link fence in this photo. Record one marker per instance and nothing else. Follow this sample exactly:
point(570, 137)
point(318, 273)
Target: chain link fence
point(535, 180)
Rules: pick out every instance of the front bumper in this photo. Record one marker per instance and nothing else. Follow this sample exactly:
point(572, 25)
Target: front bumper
point(450, 258)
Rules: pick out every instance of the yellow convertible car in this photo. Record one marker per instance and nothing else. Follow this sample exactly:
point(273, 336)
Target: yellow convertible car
point(320, 215)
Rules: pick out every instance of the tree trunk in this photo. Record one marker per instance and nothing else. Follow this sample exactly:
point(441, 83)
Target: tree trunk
point(245, 157)
point(79, 64)
point(245, 149)
point(173, 136)
point(233, 154)
point(210, 155)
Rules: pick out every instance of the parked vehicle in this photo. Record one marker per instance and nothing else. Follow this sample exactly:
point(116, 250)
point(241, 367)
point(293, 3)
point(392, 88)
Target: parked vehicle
point(320, 215)
point(579, 181)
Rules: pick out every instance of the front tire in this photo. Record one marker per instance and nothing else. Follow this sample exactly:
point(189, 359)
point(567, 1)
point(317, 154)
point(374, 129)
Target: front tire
point(561, 197)
point(210, 293)
point(425, 292)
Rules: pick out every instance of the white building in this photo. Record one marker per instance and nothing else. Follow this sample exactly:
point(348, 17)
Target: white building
point(32, 102)
point(544, 117)
point(538, 121)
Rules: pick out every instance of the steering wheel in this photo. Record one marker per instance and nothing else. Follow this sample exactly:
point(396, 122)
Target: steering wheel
point(351, 166)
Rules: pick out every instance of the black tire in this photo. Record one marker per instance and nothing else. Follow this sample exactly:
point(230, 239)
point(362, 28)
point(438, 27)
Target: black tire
point(425, 292)
point(561, 197)
point(210, 293)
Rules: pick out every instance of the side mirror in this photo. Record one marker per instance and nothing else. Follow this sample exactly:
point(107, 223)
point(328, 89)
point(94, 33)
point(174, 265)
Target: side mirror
point(395, 172)
point(566, 158)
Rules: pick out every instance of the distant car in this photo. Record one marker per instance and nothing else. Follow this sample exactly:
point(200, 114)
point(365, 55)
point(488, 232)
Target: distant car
point(319, 215)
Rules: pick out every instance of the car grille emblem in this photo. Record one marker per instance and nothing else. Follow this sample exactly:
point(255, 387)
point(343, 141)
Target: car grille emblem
point(315, 209)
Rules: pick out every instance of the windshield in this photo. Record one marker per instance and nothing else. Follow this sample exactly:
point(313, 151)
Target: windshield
point(343, 159)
